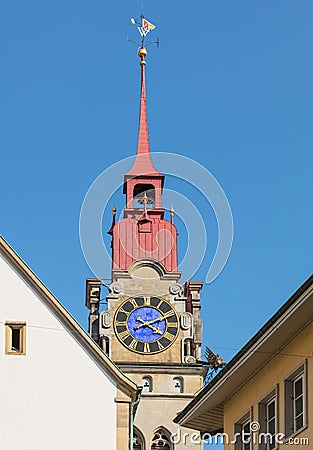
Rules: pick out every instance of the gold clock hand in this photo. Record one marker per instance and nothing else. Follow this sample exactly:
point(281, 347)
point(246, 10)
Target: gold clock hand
point(159, 319)
point(144, 323)
point(155, 330)
point(148, 324)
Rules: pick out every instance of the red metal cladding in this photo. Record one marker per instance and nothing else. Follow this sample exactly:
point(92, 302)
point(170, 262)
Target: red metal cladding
point(144, 238)
point(143, 233)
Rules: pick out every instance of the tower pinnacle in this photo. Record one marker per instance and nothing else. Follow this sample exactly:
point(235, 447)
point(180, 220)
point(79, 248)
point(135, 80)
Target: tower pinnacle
point(143, 164)
point(143, 145)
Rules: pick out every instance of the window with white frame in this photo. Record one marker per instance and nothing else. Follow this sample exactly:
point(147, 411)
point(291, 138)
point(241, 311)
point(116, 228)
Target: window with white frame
point(267, 418)
point(246, 435)
point(243, 432)
point(298, 402)
point(295, 401)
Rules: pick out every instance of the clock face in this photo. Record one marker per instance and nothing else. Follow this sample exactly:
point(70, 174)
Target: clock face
point(146, 324)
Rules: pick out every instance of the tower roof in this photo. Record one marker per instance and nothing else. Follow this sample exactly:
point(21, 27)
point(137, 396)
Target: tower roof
point(143, 165)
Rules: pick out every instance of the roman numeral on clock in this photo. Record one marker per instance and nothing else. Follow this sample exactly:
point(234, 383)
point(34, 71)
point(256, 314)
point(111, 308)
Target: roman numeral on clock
point(161, 347)
point(147, 300)
point(133, 344)
point(133, 302)
point(168, 314)
point(146, 347)
point(168, 336)
point(124, 334)
point(125, 312)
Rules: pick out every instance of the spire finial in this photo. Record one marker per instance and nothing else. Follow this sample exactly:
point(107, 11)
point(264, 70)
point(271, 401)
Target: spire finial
point(145, 201)
point(142, 53)
point(172, 214)
point(113, 220)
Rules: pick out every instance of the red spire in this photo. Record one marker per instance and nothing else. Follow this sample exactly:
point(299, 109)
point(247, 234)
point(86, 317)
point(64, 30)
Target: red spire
point(143, 133)
point(143, 164)
point(143, 233)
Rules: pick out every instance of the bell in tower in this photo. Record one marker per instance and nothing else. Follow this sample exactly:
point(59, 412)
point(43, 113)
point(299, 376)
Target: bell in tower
point(144, 194)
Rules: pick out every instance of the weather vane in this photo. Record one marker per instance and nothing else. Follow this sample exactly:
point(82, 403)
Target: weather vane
point(214, 363)
point(144, 27)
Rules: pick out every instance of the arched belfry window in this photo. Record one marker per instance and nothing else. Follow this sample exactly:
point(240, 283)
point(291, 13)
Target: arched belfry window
point(161, 440)
point(146, 384)
point(178, 385)
point(138, 440)
point(144, 193)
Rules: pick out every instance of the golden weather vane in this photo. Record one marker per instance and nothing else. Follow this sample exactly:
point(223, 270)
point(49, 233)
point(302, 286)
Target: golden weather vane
point(214, 362)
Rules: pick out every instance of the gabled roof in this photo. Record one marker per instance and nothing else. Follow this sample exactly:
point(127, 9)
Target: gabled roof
point(205, 411)
point(127, 386)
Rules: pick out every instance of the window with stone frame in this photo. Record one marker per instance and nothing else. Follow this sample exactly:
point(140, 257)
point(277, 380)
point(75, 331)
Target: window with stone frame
point(161, 440)
point(15, 338)
point(138, 440)
point(146, 384)
point(178, 385)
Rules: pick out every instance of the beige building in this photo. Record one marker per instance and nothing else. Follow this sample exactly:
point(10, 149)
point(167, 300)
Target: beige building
point(263, 398)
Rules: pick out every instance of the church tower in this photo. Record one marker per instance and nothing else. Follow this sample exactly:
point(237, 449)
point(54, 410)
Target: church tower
point(151, 327)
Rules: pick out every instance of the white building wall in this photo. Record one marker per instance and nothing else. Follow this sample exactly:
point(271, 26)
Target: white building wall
point(54, 397)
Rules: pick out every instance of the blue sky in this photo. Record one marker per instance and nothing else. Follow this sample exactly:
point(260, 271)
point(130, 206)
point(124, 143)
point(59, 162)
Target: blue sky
point(230, 87)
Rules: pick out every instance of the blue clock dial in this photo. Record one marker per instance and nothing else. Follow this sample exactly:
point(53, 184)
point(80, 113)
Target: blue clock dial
point(146, 324)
